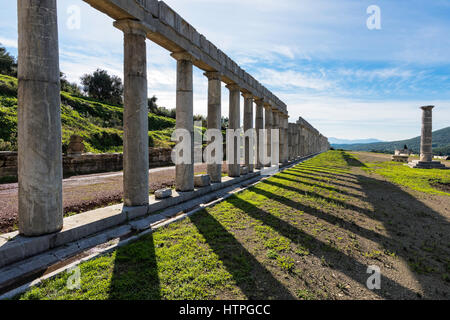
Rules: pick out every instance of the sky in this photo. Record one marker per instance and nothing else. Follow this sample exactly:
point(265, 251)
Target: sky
point(318, 56)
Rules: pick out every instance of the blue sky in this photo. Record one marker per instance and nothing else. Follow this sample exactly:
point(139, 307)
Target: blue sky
point(318, 56)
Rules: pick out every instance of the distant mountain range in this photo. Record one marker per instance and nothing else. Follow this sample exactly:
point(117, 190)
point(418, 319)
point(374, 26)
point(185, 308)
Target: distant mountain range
point(348, 141)
point(441, 144)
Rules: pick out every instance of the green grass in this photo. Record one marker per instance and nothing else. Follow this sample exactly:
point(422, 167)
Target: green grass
point(213, 254)
point(100, 124)
point(269, 241)
point(416, 179)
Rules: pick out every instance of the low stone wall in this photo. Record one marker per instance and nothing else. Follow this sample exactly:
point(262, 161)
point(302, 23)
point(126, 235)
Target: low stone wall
point(8, 164)
point(88, 163)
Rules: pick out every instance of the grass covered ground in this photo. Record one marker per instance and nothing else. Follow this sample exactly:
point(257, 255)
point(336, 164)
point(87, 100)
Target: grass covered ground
point(424, 180)
point(100, 124)
point(309, 232)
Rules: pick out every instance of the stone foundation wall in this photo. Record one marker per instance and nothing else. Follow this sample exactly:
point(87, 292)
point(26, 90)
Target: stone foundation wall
point(88, 163)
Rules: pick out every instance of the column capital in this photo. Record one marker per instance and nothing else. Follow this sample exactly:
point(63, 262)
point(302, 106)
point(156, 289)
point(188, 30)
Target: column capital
point(267, 106)
point(247, 95)
point(427, 107)
point(259, 102)
point(130, 26)
point(213, 75)
point(183, 56)
point(232, 87)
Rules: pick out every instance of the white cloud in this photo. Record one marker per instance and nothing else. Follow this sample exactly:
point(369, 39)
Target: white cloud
point(10, 43)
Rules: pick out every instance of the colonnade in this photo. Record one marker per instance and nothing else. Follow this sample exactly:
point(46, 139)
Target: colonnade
point(40, 156)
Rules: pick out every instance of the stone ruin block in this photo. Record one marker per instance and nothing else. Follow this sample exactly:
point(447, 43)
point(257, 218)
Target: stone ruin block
point(213, 51)
point(167, 15)
point(221, 57)
point(203, 43)
point(195, 37)
point(151, 6)
point(163, 193)
point(202, 180)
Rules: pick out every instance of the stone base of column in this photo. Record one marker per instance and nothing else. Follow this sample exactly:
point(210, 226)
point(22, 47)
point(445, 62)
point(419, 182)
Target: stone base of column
point(426, 165)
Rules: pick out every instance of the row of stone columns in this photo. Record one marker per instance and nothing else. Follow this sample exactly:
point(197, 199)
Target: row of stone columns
point(39, 120)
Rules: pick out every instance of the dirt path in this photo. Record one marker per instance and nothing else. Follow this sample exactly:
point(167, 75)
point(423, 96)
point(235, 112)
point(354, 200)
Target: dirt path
point(86, 192)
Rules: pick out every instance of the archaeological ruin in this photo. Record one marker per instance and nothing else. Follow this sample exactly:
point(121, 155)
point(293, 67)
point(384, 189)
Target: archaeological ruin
point(426, 140)
point(40, 161)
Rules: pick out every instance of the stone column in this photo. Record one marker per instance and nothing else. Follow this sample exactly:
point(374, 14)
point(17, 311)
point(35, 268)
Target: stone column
point(291, 138)
point(276, 125)
point(184, 172)
point(214, 117)
point(259, 125)
point(248, 124)
point(426, 152)
point(39, 119)
point(135, 114)
point(285, 122)
point(234, 169)
point(268, 126)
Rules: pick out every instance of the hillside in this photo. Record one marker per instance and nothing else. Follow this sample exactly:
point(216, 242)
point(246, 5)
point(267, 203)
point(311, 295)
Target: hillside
point(100, 124)
point(348, 141)
point(441, 144)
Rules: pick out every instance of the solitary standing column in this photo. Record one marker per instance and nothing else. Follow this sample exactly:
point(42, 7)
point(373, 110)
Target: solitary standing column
point(135, 114)
point(268, 126)
point(39, 119)
point(259, 125)
point(234, 122)
point(214, 118)
point(248, 124)
point(184, 172)
point(426, 152)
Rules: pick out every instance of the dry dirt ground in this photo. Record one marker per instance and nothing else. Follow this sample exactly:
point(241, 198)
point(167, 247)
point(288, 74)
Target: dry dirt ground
point(84, 193)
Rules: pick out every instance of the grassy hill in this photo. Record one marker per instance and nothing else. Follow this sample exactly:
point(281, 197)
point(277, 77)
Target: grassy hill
point(100, 124)
point(441, 144)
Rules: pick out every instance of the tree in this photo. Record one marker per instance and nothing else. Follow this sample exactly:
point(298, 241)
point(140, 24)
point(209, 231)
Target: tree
point(8, 64)
point(224, 123)
point(66, 86)
point(101, 86)
point(152, 106)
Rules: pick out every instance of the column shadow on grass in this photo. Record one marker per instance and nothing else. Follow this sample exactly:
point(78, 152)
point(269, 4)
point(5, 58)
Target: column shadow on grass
point(334, 258)
point(135, 274)
point(319, 178)
point(255, 281)
point(416, 233)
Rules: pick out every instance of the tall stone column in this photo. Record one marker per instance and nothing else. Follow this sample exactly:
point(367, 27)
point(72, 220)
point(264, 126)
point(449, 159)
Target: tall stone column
point(268, 126)
point(39, 119)
point(426, 152)
point(291, 138)
point(285, 122)
point(214, 118)
point(259, 125)
point(234, 122)
point(135, 114)
point(248, 124)
point(184, 172)
point(276, 125)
